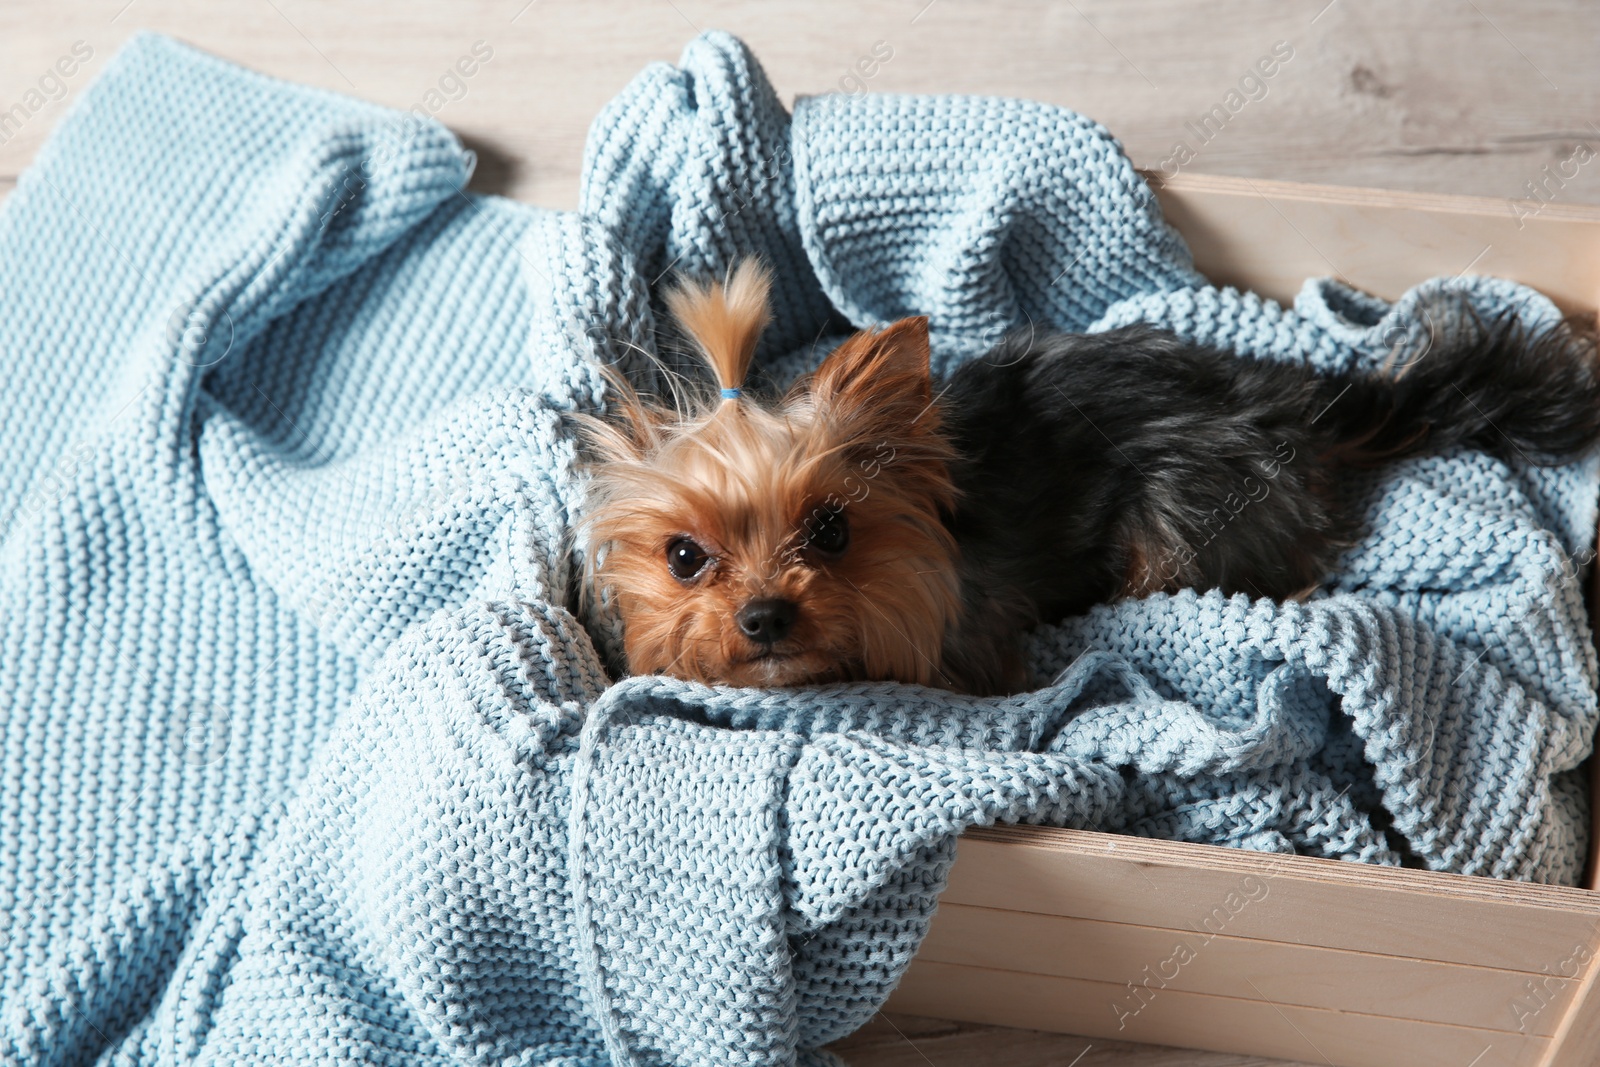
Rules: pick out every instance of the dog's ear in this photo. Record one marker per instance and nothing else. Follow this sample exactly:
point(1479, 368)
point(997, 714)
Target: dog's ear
point(633, 427)
point(875, 370)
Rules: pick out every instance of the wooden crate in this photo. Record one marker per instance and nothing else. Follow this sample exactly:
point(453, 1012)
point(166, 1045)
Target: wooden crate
point(1301, 959)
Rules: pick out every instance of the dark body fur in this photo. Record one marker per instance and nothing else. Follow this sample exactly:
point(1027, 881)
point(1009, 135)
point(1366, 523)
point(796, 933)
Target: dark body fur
point(1130, 462)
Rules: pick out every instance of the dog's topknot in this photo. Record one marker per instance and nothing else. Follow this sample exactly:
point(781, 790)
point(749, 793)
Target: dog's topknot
point(725, 319)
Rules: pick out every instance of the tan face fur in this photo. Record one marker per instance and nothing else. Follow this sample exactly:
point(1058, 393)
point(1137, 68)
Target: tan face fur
point(762, 492)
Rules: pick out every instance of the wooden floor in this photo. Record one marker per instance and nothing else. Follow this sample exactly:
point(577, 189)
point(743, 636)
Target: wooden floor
point(1467, 96)
point(1485, 97)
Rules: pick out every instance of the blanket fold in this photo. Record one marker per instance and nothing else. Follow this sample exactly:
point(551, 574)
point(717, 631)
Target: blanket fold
point(313, 753)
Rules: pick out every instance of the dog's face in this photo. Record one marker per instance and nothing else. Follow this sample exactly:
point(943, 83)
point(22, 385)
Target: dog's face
point(778, 546)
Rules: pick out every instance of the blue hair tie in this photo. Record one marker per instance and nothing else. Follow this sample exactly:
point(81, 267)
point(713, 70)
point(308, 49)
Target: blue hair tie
point(730, 394)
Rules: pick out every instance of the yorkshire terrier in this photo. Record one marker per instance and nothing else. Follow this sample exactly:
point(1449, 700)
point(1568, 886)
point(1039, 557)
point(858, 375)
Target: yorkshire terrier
point(866, 526)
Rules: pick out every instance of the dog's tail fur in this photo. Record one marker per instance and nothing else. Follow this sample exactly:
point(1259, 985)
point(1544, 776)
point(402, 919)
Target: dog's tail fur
point(725, 320)
point(1493, 385)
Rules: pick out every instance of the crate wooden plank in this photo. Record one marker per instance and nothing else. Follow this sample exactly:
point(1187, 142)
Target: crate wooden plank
point(1577, 1040)
point(1270, 236)
point(1199, 961)
point(895, 1040)
point(1197, 1020)
point(1446, 918)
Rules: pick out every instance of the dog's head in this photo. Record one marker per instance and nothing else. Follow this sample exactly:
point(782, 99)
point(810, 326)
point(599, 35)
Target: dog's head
point(785, 543)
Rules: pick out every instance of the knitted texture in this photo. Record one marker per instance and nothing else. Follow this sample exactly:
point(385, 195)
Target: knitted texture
point(308, 755)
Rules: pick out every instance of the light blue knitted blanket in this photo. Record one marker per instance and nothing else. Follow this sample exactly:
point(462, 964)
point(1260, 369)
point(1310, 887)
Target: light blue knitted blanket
point(307, 759)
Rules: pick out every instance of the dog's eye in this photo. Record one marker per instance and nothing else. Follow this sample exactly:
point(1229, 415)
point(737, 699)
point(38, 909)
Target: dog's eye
point(828, 533)
point(685, 559)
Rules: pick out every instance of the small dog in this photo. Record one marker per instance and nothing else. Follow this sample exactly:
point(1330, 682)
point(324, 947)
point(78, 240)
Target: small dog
point(864, 527)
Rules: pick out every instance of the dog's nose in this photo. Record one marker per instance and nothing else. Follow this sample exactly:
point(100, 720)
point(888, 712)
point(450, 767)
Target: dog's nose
point(767, 620)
